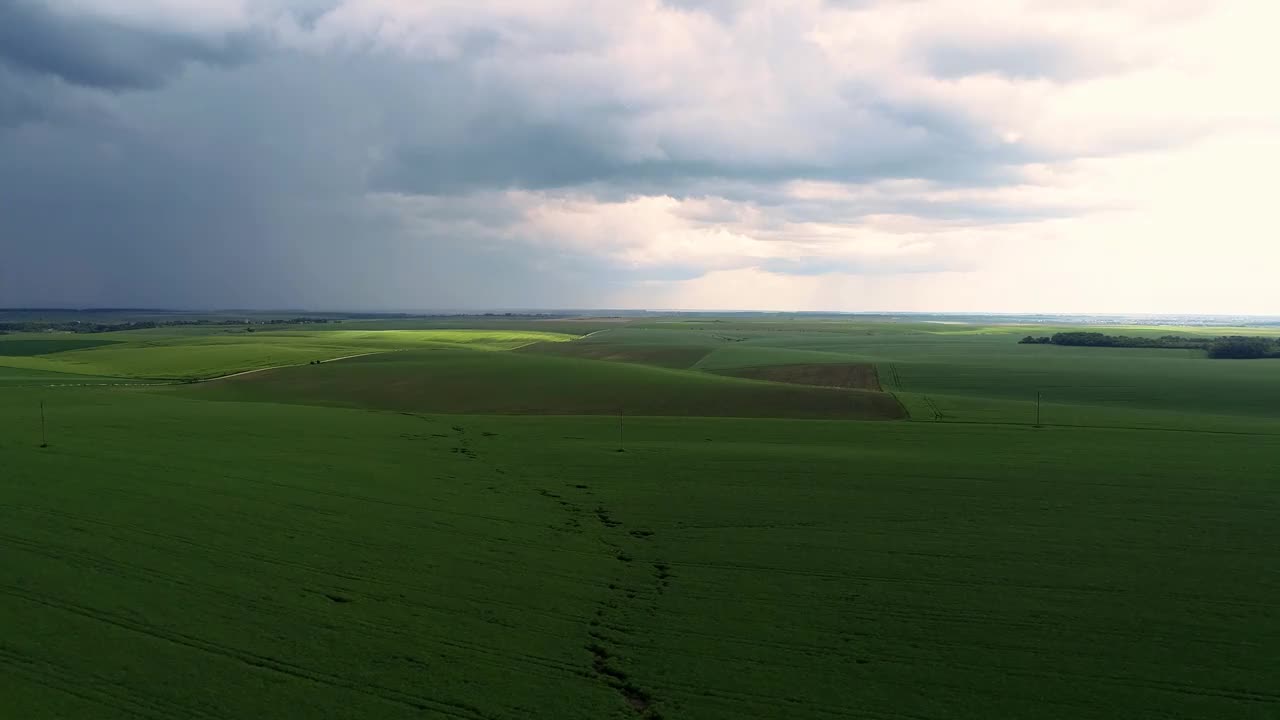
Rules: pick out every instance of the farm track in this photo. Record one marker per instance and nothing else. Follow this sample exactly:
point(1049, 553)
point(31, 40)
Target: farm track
point(896, 378)
point(161, 383)
point(933, 408)
point(105, 565)
point(255, 660)
point(498, 658)
point(450, 530)
point(415, 507)
point(390, 591)
point(97, 689)
point(278, 367)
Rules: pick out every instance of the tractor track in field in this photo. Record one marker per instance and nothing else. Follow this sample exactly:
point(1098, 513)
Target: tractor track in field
point(551, 669)
point(252, 659)
point(213, 552)
point(99, 689)
point(933, 408)
point(214, 378)
point(895, 381)
point(101, 384)
point(240, 373)
point(896, 378)
point(626, 596)
point(278, 367)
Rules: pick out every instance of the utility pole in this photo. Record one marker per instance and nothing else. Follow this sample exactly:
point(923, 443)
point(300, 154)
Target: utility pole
point(621, 427)
point(44, 435)
point(1037, 408)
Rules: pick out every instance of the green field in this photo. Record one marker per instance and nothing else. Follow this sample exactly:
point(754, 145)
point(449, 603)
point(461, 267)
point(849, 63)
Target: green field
point(28, 345)
point(460, 380)
point(184, 353)
point(21, 377)
point(457, 524)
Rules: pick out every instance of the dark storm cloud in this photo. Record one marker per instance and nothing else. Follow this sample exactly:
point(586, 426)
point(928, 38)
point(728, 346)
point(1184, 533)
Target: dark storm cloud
point(20, 102)
point(882, 141)
point(307, 168)
point(241, 189)
point(508, 155)
point(100, 53)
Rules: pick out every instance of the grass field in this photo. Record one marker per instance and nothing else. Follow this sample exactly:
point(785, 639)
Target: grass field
point(467, 381)
point(669, 356)
point(446, 531)
point(20, 377)
point(184, 353)
point(26, 346)
point(861, 376)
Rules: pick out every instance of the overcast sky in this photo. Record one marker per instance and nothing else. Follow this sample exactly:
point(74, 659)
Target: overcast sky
point(930, 155)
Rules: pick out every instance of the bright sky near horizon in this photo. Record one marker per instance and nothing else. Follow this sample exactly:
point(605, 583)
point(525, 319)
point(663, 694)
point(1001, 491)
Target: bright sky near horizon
point(915, 155)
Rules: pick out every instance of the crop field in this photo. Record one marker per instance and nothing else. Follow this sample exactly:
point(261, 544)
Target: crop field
point(26, 346)
point(669, 356)
point(466, 381)
point(841, 375)
point(20, 377)
point(456, 522)
point(202, 353)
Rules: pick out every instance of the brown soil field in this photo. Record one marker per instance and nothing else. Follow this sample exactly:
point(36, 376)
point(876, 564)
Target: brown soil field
point(858, 376)
point(667, 356)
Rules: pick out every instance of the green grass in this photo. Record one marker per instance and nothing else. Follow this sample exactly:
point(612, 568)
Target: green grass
point(444, 530)
point(32, 344)
point(179, 353)
point(18, 377)
point(748, 355)
point(962, 373)
point(568, 326)
point(175, 558)
point(668, 356)
point(465, 381)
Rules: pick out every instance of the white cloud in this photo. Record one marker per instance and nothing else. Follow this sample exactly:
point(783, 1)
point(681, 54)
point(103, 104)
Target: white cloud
point(940, 154)
point(1197, 235)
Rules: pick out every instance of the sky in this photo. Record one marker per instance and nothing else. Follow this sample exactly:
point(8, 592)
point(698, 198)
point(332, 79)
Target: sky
point(1072, 156)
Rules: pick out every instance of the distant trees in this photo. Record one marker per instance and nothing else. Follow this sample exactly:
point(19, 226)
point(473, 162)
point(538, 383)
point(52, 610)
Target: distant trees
point(1237, 347)
point(72, 327)
point(1096, 339)
point(76, 326)
point(1227, 347)
point(1090, 339)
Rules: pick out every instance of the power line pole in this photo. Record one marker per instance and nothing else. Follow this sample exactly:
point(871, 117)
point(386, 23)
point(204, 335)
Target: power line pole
point(1037, 408)
point(44, 435)
point(621, 427)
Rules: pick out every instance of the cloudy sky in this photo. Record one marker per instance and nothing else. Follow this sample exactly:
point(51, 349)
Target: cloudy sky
point(930, 155)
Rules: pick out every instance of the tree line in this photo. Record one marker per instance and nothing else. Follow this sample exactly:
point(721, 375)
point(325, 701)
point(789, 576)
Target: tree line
point(76, 326)
point(1238, 347)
